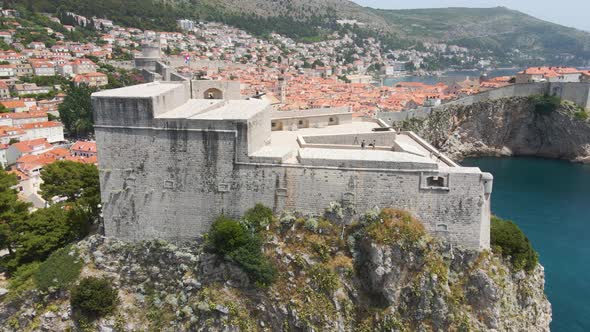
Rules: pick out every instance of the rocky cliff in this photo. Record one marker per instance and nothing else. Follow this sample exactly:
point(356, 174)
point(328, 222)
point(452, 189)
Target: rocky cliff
point(374, 275)
point(508, 127)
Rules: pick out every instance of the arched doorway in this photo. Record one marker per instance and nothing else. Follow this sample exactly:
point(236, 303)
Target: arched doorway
point(213, 93)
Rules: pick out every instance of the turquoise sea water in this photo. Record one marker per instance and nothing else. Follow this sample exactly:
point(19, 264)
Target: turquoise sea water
point(550, 201)
point(435, 79)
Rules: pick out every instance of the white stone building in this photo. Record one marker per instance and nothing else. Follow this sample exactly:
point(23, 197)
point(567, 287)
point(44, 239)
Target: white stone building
point(53, 131)
point(32, 147)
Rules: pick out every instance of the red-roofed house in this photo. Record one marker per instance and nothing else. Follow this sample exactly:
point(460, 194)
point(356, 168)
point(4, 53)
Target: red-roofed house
point(31, 165)
point(84, 66)
point(7, 70)
point(32, 147)
point(59, 153)
point(21, 118)
point(92, 79)
point(4, 90)
point(84, 149)
point(43, 68)
point(548, 74)
point(53, 131)
point(65, 69)
point(84, 160)
point(10, 133)
point(15, 105)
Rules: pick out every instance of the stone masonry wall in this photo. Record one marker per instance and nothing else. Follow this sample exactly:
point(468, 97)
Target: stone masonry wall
point(178, 181)
point(579, 93)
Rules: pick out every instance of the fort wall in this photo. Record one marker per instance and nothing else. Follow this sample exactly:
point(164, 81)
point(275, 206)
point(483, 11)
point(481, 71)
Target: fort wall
point(163, 191)
point(165, 175)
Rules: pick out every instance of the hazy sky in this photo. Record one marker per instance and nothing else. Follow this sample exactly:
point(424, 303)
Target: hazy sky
point(573, 13)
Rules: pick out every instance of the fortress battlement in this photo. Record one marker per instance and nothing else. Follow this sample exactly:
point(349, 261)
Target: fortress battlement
point(174, 156)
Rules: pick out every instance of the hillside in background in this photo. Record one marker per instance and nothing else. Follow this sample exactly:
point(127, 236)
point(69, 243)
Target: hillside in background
point(496, 29)
point(501, 32)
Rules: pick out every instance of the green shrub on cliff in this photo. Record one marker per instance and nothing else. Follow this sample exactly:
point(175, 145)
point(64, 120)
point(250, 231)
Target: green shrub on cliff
point(234, 241)
point(508, 240)
point(21, 280)
point(324, 279)
point(227, 235)
point(255, 264)
point(545, 103)
point(258, 217)
point(60, 270)
point(581, 115)
point(94, 297)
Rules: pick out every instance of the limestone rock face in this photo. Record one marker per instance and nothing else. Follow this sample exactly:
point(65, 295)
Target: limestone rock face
point(507, 127)
point(477, 290)
point(323, 284)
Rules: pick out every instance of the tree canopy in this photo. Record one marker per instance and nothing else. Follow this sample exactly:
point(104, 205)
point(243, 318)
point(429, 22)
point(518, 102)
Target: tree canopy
point(76, 110)
point(12, 211)
point(77, 182)
point(47, 230)
point(32, 237)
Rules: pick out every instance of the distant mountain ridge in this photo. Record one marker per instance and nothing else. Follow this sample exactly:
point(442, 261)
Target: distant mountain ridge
point(502, 31)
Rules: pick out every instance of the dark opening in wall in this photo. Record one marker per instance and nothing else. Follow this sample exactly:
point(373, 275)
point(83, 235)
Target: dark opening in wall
point(213, 93)
point(435, 181)
point(168, 184)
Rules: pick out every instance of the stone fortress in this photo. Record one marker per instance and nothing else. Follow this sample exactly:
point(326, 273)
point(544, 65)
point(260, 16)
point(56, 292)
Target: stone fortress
point(176, 155)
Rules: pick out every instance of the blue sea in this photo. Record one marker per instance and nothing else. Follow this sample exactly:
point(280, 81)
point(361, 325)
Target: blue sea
point(449, 74)
point(549, 200)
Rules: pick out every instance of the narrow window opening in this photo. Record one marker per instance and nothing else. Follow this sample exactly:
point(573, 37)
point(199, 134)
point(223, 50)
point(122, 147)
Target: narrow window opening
point(435, 181)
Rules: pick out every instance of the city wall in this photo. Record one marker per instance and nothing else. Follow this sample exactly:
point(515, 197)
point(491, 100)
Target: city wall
point(578, 93)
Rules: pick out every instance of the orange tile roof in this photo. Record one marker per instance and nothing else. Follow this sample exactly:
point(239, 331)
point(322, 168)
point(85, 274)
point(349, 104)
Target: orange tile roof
point(85, 160)
point(46, 124)
point(7, 131)
point(85, 146)
point(27, 146)
point(24, 115)
point(59, 153)
point(13, 103)
point(27, 163)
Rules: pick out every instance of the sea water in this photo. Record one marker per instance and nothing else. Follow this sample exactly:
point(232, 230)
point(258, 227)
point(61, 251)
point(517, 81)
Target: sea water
point(550, 201)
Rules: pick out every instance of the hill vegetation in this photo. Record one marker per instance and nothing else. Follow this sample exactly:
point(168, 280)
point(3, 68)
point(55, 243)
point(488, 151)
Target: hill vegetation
point(499, 32)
